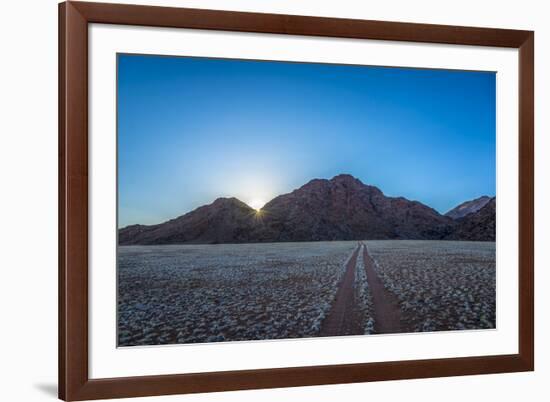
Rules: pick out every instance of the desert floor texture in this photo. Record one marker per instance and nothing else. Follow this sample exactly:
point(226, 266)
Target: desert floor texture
point(234, 292)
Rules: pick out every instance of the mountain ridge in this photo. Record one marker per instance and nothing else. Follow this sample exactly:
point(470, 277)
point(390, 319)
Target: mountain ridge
point(468, 207)
point(341, 208)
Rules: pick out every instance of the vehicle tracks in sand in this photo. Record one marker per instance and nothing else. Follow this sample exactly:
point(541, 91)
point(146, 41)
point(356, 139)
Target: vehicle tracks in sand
point(387, 313)
point(344, 317)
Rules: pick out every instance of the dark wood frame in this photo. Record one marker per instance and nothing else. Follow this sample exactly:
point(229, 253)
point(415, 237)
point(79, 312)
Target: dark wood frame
point(74, 383)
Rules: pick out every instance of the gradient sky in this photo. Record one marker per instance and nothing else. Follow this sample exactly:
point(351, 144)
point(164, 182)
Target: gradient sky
point(194, 129)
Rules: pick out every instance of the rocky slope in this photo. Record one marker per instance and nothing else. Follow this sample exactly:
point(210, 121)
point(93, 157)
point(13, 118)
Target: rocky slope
point(226, 220)
point(342, 208)
point(477, 226)
point(468, 207)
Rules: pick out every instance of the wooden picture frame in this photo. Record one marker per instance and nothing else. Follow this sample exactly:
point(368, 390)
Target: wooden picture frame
point(74, 381)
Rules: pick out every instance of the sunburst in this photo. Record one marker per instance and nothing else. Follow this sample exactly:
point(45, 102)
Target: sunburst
point(256, 203)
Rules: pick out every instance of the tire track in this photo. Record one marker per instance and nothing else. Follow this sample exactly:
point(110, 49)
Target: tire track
point(344, 317)
point(387, 313)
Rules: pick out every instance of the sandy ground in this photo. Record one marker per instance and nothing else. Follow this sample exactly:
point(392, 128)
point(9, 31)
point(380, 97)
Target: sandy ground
point(214, 293)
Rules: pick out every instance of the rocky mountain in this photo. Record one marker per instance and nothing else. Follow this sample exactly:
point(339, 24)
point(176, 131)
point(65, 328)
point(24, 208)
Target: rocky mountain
point(342, 208)
point(226, 220)
point(468, 207)
point(477, 226)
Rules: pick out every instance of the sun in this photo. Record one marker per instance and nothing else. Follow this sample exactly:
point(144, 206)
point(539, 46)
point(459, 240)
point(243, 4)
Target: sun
point(256, 203)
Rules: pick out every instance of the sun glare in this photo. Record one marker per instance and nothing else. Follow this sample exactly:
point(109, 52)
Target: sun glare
point(257, 204)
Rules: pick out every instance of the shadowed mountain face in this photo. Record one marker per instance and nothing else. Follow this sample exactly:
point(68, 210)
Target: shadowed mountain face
point(342, 208)
point(468, 207)
point(346, 209)
point(226, 220)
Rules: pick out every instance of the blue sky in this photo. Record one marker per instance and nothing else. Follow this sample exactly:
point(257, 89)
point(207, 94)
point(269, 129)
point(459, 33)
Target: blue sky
point(191, 130)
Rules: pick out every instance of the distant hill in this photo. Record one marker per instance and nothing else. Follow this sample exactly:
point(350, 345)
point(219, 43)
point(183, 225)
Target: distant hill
point(479, 225)
point(468, 207)
point(342, 208)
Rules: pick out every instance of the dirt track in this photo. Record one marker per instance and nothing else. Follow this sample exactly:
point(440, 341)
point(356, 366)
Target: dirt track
point(344, 317)
point(387, 314)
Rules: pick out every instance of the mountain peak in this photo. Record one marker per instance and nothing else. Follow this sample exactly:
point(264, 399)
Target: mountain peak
point(478, 225)
point(338, 182)
point(227, 200)
point(468, 207)
point(345, 178)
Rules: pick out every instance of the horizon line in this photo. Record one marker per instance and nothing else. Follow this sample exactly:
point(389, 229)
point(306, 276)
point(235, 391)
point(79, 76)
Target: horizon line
point(228, 197)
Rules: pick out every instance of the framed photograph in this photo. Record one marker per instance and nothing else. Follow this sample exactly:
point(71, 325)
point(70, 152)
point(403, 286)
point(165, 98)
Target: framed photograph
point(259, 200)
